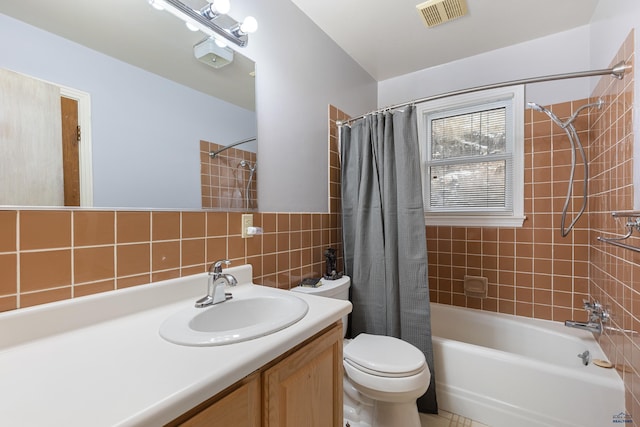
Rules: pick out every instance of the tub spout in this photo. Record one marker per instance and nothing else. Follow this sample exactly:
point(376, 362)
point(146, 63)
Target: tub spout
point(595, 327)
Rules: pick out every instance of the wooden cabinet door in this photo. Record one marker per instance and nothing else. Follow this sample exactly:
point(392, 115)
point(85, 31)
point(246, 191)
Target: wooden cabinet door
point(305, 388)
point(239, 408)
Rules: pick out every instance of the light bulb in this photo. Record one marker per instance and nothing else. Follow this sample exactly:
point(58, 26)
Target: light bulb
point(191, 27)
point(249, 25)
point(222, 6)
point(156, 5)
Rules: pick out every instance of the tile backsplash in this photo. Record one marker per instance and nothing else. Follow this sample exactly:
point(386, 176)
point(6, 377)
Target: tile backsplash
point(50, 255)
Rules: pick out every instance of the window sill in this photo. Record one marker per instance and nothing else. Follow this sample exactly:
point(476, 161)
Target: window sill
point(470, 220)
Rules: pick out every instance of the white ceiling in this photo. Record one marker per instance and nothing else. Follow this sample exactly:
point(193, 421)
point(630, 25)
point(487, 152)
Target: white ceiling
point(388, 38)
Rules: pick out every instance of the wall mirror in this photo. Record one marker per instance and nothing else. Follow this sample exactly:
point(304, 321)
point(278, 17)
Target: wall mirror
point(154, 107)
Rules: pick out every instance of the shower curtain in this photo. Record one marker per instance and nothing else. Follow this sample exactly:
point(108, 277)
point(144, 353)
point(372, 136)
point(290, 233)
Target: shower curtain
point(383, 227)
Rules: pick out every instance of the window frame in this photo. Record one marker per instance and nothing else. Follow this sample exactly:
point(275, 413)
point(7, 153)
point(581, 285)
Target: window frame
point(512, 98)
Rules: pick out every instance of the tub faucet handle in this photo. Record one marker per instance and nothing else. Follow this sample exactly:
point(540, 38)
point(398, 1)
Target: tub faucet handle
point(597, 312)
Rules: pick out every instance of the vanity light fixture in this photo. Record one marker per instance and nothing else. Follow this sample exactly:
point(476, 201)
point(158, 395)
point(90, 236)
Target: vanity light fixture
point(207, 20)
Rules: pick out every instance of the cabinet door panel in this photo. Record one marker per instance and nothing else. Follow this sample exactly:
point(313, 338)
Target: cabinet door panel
point(240, 408)
point(305, 388)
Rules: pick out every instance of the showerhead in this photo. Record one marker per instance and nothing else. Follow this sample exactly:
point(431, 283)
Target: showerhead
point(536, 107)
point(570, 120)
point(246, 164)
point(552, 116)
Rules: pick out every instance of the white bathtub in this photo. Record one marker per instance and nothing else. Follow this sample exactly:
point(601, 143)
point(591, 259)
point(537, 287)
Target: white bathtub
point(507, 371)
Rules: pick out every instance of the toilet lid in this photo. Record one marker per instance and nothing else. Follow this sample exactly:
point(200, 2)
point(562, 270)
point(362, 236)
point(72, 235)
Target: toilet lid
point(384, 356)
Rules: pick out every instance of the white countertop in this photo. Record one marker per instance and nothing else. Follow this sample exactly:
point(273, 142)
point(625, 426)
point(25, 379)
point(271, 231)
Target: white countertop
point(99, 360)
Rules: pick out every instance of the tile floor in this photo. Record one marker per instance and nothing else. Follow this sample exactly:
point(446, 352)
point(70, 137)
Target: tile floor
point(446, 419)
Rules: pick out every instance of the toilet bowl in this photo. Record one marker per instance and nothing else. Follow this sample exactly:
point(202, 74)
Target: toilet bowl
point(391, 374)
point(383, 375)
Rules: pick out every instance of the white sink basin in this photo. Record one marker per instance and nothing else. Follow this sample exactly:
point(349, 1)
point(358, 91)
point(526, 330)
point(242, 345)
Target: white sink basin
point(233, 321)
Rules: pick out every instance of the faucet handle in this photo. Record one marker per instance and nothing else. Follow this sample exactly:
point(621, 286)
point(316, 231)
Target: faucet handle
point(216, 267)
point(594, 306)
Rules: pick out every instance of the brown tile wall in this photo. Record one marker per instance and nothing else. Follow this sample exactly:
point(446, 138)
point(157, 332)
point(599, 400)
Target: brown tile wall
point(614, 274)
point(50, 255)
point(224, 181)
point(335, 195)
point(533, 271)
point(335, 188)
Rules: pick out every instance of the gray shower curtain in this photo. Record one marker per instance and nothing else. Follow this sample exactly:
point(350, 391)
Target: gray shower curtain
point(385, 250)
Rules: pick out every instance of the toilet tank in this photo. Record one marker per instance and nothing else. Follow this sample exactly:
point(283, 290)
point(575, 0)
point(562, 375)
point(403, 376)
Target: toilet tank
point(337, 289)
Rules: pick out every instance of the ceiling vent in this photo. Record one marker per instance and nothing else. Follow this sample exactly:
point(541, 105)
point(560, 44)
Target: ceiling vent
point(436, 12)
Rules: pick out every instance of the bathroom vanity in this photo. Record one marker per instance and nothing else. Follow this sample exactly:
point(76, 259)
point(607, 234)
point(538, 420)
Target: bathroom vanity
point(100, 361)
point(302, 387)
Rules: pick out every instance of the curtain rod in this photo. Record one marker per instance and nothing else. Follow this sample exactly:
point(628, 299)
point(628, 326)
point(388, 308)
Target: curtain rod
point(616, 71)
point(213, 154)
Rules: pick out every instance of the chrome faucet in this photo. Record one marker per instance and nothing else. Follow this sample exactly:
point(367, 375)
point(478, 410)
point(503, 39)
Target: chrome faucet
point(216, 286)
point(595, 327)
point(597, 316)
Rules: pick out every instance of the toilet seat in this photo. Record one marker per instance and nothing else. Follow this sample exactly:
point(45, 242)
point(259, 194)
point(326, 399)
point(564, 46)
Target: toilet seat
point(384, 356)
point(387, 389)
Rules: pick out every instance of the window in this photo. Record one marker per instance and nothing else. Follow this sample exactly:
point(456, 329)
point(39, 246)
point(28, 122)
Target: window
point(472, 151)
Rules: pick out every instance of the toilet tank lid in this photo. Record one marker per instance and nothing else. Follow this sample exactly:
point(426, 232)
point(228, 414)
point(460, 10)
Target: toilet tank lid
point(384, 356)
point(327, 288)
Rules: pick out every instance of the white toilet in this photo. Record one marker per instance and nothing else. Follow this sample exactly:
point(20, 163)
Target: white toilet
point(383, 375)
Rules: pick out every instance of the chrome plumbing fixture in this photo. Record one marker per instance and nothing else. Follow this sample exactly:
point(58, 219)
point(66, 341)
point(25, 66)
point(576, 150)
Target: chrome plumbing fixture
point(596, 311)
point(252, 171)
point(594, 327)
point(597, 316)
point(585, 356)
point(633, 223)
point(216, 285)
point(576, 146)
